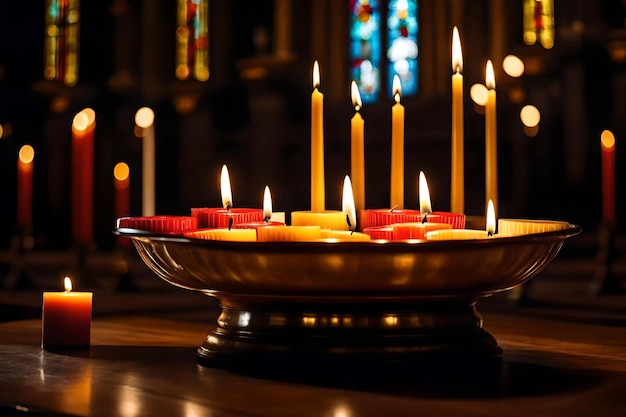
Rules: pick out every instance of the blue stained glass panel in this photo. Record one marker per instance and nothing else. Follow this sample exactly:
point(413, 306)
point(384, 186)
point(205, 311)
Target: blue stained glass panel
point(402, 50)
point(365, 47)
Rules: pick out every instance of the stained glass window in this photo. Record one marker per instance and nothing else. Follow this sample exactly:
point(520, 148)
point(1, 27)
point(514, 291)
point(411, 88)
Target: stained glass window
point(365, 43)
point(402, 49)
point(539, 22)
point(192, 40)
point(61, 41)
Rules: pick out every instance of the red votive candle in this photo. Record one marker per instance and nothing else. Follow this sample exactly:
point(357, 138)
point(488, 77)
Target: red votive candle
point(385, 217)
point(66, 318)
point(255, 225)
point(456, 220)
point(416, 230)
point(220, 218)
point(159, 224)
point(379, 232)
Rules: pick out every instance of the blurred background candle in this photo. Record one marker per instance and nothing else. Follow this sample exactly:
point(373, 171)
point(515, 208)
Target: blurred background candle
point(121, 182)
point(83, 129)
point(491, 139)
point(25, 164)
point(144, 118)
point(457, 185)
point(317, 144)
point(397, 147)
point(357, 150)
point(607, 144)
point(66, 318)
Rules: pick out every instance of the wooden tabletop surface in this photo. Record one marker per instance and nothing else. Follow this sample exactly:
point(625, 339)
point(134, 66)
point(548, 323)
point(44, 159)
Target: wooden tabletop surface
point(145, 365)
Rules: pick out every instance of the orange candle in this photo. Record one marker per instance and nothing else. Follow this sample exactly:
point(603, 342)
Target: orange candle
point(25, 188)
point(144, 118)
point(397, 148)
point(83, 128)
point(318, 203)
point(66, 318)
point(491, 139)
point(607, 143)
point(357, 150)
point(457, 185)
point(121, 182)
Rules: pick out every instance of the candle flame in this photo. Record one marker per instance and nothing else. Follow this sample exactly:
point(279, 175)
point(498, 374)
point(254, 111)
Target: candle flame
point(356, 96)
point(26, 154)
point(490, 78)
point(607, 140)
point(457, 52)
point(267, 204)
point(227, 195)
point(491, 218)
point(397, 88)
point(316, 75)
point(80, 121)
point(67, 283)
point(121, 171)
point(347, 203)
point(144, 117)
point(425, 207)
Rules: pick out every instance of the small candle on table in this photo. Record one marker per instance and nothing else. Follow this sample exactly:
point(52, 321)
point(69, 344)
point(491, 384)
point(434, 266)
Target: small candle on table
point(66, 318)
point(397, 147)
point(357, 150)
point(457, 186)
point(83, 128)
point(267, 214)
point(468, 234)
point(25, 188)
point(144, 118)
point(607, 144)
point(491, 139)
point(317, 144)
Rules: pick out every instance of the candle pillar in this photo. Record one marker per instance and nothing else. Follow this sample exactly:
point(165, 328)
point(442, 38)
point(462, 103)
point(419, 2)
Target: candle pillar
point(491, 139)
point(317, 145)
point(357, 150)
point(457, 185)
point(83, 128)
point(607, 144)
point(121, 182)
point(144, 118)
point(397, 148)
point(25, 189)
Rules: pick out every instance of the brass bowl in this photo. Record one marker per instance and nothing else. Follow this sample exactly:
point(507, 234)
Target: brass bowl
point(348, 298)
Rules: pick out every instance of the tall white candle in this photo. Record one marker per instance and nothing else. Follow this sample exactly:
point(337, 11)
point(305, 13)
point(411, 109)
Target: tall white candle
point(144, 118)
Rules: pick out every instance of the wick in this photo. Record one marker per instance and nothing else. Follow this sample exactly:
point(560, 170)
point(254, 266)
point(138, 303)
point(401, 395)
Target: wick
point(228, 207)
point(490, 233)
point(231, 221)
point(424, 219)
point(348, 221)
point(393, 208)
point(267, 219)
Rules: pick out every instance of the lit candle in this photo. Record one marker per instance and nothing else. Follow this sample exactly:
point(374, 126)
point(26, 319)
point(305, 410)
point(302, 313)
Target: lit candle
point(357, 150)
point(226, 216)
point(83, 129)
point(317, 144)
point(288, 234)
point(456, 220)
point(347, 204)
point(607, 144)
point(457, 185)
point(144, 118)
point(468, 234)
point(232, 235)
point(397, 147)
point(25, 188)
point(66, 318)
point(121, 182)
point(267, 214)
point(491, 139)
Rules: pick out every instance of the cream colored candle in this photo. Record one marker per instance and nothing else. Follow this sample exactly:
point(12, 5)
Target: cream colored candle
point(144, 118)
point(491, 139)
point(232, 235)
point(516, 227)
point(357, 150)
point(317, 144)
point(397, 147)
point(288, 233)
point(457, 185)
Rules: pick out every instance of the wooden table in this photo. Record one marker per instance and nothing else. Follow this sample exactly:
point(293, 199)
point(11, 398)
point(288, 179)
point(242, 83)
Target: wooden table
point(145, 365)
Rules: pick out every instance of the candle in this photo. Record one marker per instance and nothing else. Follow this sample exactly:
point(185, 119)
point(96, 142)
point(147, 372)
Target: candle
point(331, 236)
point(288, 234)
point(384, 217)
point(233, 235)
point(267, 214)
point(226, 216)
point(397, 147)
point(491, 146)
point(66, 318)
point(456, 220)
point(25, 159)
point(457, 186)
point(159, 224)
point(607, 144)
point(144, 118)
point(467, 234)
point(329, 219)
point(357, 150)
point(317, 144)
point(121, 182)
point(516, 227)
point(83, 128)
point(379, 232)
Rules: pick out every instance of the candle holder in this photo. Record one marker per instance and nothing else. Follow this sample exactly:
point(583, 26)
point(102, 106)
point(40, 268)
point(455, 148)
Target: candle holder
point(384, 299)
